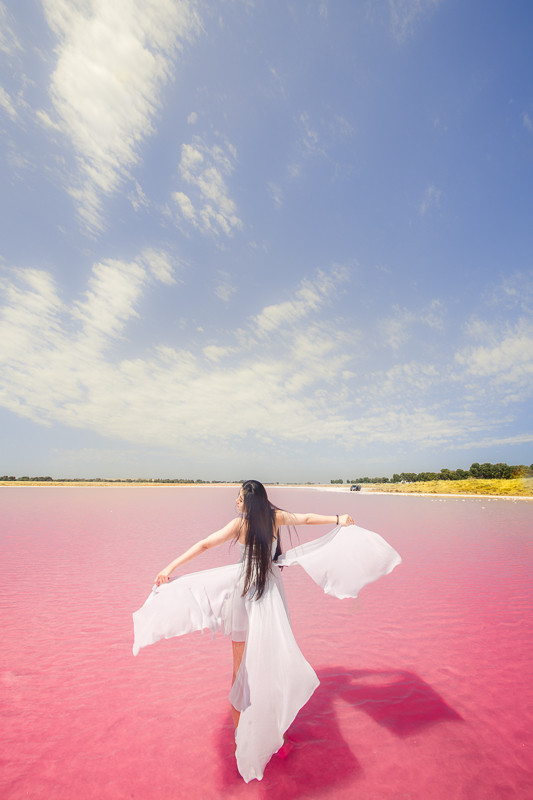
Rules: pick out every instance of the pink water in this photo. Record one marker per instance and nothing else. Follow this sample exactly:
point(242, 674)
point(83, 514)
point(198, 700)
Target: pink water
point(426, 679)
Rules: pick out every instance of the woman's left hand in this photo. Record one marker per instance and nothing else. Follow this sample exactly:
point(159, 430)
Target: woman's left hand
point(345, 520)
point(162, 578)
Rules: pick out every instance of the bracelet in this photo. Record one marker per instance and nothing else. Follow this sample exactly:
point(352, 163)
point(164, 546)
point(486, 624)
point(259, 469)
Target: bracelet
point(337, 519)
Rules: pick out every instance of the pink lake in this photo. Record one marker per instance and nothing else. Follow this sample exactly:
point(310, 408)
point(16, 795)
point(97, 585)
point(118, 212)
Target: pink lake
point(426, 679)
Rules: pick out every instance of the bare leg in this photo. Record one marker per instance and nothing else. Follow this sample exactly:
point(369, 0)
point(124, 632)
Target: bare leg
point(238, 650)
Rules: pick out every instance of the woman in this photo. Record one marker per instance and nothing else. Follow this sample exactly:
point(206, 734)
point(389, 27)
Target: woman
point(271, 678)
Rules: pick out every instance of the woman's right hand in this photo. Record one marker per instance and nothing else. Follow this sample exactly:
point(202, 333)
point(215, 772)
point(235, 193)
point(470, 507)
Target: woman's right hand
point(345, 520)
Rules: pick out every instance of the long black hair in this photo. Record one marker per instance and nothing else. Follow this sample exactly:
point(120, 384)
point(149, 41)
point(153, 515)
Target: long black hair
point(260, 521)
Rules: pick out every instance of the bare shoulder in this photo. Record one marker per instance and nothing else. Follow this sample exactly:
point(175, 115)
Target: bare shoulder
point(229, 531)
point(234, 526)
point(283, 518)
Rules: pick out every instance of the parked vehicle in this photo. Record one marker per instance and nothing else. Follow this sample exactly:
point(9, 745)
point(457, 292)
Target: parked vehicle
point(355, 487)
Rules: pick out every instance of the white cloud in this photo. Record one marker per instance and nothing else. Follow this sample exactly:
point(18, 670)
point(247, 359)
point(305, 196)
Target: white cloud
point(418, 426)
point(507, 360)
point(280, 87)
point(396, 330)
point(310, 143)
point(44, 118)
point(192, 119)
point(185, 206)
point(405, 15)
point(411, 377)
point(307, 299)
point(225, 288)
point(9, 42)
point(114, 291)
point(479, 329)
point(303, 380)
point(215, 353)
point(29, 308)
point(515, 291)
point(430, 200)
point(318, 348)
point(276, 193)
point(342, 127)
point(60, 366)
point(497, 441)
point(159, 264)
point(7, 104)
point(138, 198)
point(315, 138)
point(113, 60)
point(528, 122)
point(205, 170)
point(310, 138)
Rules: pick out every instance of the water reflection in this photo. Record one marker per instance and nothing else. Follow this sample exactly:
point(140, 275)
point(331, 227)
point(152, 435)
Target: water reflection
point(399, 700)
point(318, 756)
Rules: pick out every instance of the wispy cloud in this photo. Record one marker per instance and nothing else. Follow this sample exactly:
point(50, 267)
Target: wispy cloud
point(113, 60)
point(7, 104)
point(396, 329)
point(431, 199)
point(204, 171)
point(60, 366)
point(496, 441)
point(497, 355)
point(507, 361)
point(410, 378)
point(307, 299)
point(291, 373)
point(225, 287)
point(527, 121)
point(138, 198)
point(9, 42)
point(111, 299)
point(278, 82)
point(406, 14)
point(310, 140)
point(160, 265)
point(514, 291)
point(276, 192)
point(215, 353)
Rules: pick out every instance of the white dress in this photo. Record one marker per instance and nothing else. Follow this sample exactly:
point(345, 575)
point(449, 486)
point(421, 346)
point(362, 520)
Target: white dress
point(274, 680)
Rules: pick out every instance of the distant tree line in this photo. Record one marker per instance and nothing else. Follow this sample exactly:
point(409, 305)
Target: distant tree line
point(106, 480)
point(24, 478)
point(486, 470)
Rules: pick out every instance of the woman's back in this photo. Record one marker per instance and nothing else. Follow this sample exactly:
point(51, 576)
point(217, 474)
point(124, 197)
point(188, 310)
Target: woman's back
point(260, 531)
point(242, 548)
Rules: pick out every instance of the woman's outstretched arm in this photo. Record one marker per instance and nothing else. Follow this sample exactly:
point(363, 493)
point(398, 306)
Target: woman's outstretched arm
point(229, 531)
point(286, 518)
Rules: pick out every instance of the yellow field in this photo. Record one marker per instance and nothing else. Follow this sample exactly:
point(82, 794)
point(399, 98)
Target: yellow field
point(515, 487)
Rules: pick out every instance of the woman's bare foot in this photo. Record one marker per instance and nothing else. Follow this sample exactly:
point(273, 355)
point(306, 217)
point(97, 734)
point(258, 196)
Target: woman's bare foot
point(286, 747)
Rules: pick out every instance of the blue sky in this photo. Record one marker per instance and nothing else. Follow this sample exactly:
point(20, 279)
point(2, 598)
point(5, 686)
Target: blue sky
point(287, 240)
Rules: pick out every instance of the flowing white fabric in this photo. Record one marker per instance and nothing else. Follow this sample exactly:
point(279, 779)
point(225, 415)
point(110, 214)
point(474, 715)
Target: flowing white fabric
point(345, 560)
point(274, 680)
